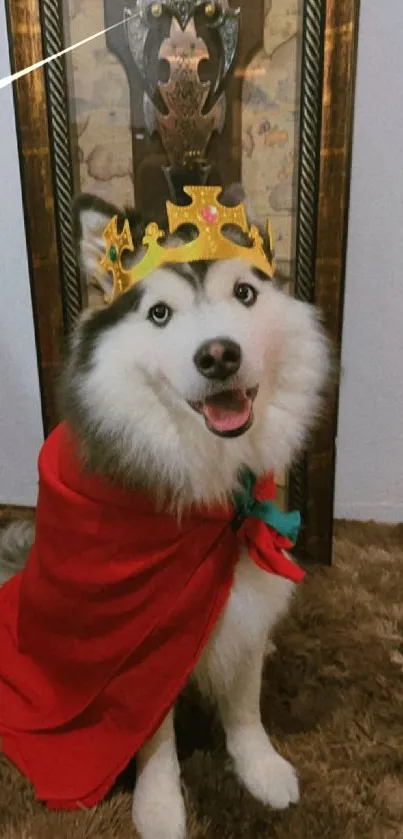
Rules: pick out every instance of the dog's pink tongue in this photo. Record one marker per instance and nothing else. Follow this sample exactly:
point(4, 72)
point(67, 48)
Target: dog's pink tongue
point(227, 411)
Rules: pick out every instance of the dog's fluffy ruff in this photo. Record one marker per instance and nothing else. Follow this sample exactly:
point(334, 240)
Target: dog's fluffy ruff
point(138, 426)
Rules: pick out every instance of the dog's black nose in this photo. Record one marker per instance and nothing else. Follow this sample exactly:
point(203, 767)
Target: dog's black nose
point(218, 359)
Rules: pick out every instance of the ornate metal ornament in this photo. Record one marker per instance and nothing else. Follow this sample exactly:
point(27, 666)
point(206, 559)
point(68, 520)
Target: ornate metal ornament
point(217, 17)
point(186, 128)
point(184, 109)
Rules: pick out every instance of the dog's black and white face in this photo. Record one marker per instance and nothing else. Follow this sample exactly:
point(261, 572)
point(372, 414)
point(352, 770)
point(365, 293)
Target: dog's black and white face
point(197, 371)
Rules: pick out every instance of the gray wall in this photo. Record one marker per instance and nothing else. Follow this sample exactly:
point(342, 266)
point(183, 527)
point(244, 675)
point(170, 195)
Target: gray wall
point(20, 416)
point(370, 440)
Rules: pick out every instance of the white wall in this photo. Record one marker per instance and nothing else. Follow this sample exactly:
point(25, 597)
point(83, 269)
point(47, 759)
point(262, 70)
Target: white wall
point(370, 439)
point(20, 412)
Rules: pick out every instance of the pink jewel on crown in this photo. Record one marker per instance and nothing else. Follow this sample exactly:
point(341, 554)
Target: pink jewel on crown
point(209, 214)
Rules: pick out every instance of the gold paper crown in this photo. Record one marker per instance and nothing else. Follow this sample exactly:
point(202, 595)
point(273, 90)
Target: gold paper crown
point(209, 217)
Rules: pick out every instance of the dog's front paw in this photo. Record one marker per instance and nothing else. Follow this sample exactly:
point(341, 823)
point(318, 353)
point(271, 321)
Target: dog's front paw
point(159, 809)
point(267, 776)
point(272, 780)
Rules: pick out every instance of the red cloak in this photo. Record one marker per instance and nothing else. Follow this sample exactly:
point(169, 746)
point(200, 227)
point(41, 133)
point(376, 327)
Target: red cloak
point(101, 630)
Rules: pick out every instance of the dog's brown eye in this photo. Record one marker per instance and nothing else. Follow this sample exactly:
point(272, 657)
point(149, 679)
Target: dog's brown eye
point(245, 293)
point(160, 314)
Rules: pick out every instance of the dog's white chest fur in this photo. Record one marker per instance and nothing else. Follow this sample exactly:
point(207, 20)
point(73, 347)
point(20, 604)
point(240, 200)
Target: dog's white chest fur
point(257, 600)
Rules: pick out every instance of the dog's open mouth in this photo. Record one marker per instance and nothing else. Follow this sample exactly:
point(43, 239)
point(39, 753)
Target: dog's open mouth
point(230, 413)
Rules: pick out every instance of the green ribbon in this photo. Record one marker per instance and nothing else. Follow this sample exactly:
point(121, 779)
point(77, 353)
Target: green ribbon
point(246, 505)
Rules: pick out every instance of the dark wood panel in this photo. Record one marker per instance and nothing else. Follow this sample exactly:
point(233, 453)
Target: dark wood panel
point(37, 185)
point(334, 186)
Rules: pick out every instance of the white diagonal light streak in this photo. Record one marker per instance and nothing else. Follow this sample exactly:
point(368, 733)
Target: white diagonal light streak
point(7, 80)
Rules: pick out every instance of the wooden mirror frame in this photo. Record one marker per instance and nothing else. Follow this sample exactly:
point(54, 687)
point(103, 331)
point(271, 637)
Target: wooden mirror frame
point(329, 47)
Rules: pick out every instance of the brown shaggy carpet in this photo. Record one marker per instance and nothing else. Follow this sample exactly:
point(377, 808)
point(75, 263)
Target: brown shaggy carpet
point(332, 700)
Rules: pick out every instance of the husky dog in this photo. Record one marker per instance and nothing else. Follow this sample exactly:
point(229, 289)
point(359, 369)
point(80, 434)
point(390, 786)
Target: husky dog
point(195, 372)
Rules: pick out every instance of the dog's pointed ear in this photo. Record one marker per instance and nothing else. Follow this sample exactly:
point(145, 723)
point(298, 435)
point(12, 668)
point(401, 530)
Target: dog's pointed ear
point(234, 195)
point(231, 197)
point(90, 217)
